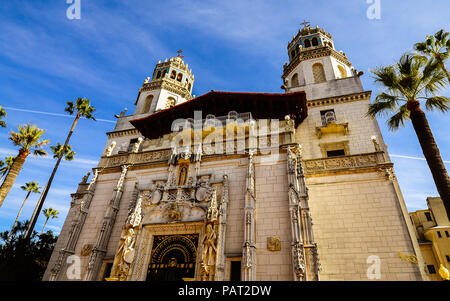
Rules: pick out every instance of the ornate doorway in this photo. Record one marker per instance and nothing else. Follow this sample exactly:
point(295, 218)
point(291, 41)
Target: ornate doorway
point(173, 257)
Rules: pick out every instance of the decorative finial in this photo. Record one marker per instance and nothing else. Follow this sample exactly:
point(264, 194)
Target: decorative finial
point(305, 23)
point(179, 53)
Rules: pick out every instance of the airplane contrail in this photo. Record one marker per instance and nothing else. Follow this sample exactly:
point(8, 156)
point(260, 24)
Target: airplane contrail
point(52, 114)
point(413, 158)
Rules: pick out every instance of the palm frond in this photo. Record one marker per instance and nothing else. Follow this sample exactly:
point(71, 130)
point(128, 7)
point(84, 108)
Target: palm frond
point(398, 119)
point(439, 103)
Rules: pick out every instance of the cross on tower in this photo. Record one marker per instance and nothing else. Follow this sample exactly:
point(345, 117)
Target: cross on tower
point(305, 23)
point(179, 53)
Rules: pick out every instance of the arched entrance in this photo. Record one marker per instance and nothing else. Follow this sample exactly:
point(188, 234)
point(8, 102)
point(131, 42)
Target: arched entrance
point(173, 257)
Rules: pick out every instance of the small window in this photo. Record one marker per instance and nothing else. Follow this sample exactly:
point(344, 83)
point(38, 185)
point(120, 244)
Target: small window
point(428, 216)
point(294, 80)
point(327, 116)
point(439, 234)
point(307, 43)
point(179, 77)
point(108, 268)
point(448, 258)
point(335, 153)
point(315, 42)
point(318, 73)
point(131, 145)
point(235, 271)
point(158, 75)
point(431, 269)
point(292, 54)
point(173, 75)
point(446, 234)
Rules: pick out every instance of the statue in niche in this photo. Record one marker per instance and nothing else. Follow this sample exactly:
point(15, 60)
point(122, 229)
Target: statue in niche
point(209, 248)
point(125, 254)
point(182, 176)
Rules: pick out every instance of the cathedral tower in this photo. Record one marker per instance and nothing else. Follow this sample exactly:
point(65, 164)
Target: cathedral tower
point(354, 196)
point(170, 84)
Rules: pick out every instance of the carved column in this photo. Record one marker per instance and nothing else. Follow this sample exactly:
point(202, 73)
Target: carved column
point(305, 257)
point(75, 229)
point(125, 254)
point(249, 247)
point(99, 250)
point(220, 260)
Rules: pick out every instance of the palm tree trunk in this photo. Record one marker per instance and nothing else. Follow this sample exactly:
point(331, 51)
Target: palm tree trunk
point(6, 172)
point(45, 224)
point(18, 214)
point(12, 174)
point(41, 201)
point(431, 152)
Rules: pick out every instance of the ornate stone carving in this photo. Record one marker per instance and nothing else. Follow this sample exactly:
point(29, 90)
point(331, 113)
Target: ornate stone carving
point(209, 253)
point(273, 243)
point(110, 148)
point(173, 213)
point(86, 250)
point(85, 178)
point(299, 260)
point(361, 161)
point(137, 145)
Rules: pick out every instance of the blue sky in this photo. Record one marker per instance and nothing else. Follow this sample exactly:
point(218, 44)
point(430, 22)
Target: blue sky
point(47, 59)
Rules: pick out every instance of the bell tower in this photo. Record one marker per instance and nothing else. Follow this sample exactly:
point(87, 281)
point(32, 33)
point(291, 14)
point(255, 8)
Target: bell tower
point(316, 67)
point(170, 85)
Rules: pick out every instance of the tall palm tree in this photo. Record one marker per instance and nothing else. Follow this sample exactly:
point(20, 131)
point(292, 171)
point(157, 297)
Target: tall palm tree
point(82, 108)
point(437, 47)
point(50, 212)
point(28, 139)
point(2, 115)
point(412, 80)
point(29, 187)
point(5, 167)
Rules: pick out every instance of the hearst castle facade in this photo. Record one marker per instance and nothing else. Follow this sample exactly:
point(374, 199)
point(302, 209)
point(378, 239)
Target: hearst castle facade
point(294, 186)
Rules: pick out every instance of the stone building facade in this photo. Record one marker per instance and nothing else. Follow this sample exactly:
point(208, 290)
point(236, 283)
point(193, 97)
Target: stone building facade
point(231, 192)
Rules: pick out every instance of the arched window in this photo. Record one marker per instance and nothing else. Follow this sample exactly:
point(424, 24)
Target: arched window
point(170, 102)
point(147, 104)
point(294, 80)
point(179, 77)
point(292, 53)
point(158, 75)
point(307, 43)
point(342, 71)
point(164, 73)
point(173, 74)
point(315, 42)
point(319, 73)
point(189, 87)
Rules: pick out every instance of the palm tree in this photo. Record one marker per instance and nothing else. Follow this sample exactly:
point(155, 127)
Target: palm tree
point(2, 115)
point(436, 47)
point(5, 167)
point(411, 80)
point(30, 187)
point(50, 212)
point(28, 140)
point(82, 108)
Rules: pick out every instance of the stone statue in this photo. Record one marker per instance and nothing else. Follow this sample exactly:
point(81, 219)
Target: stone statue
point(110, 149)
point(209, 246)
point(85, 178)
point(137, 145)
